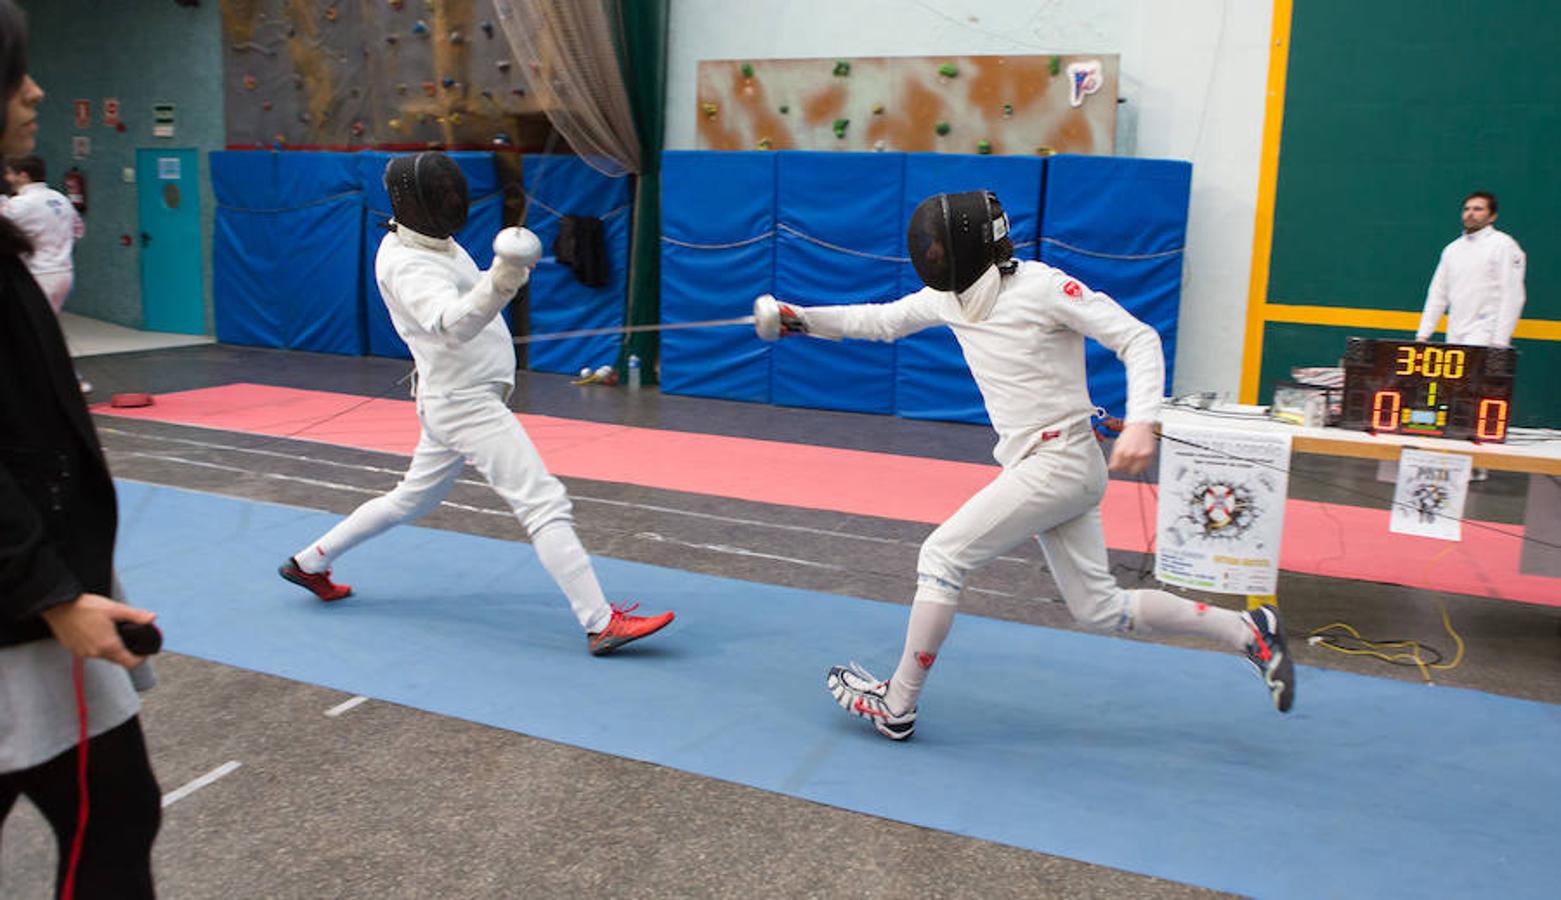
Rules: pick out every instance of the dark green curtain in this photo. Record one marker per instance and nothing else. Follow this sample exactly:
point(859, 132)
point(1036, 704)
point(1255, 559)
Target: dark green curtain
point(643, 45)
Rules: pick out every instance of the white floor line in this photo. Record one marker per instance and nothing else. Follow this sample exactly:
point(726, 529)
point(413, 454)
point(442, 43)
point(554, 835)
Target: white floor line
point(178, 794)
point(731, 520)
point(344, 706)
point(734, 551)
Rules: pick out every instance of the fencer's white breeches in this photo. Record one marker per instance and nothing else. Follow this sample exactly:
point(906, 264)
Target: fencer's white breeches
point(475, 427)
point(56, 286)
point(1054, 496)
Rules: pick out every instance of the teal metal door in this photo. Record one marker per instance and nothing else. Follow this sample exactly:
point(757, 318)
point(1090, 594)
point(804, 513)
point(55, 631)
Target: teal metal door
point(169, 201)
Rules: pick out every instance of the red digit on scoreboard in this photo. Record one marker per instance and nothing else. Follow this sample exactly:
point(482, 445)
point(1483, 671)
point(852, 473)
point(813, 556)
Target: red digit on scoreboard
point(1492, 422)
point(1384, 410)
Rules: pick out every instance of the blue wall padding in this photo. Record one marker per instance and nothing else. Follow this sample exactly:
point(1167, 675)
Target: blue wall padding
point(838, 235)
point(717, 254)
point(559, 186)
point(295, 240)
point(483, 221)
point(931, 378)
point(1119, 226)
point(839, 240)
point(284, 254)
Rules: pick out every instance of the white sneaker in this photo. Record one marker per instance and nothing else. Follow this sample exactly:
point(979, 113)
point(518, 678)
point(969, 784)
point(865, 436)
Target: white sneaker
point(863, 696)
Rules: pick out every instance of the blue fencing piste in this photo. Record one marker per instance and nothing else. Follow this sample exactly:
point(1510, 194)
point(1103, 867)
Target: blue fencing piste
point(832, 226)
point(716, 256)
point(285, 251)
point(558, 186)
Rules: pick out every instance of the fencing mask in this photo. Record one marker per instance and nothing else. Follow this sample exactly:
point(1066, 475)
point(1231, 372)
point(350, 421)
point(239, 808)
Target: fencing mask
point(955, 238)
point(427, 193)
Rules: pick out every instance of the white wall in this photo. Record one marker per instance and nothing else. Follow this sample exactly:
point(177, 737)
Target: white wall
point(1194, 74)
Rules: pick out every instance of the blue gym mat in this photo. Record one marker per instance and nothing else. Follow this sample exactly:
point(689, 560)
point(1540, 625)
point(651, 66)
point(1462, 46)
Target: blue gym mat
point(1153, 759)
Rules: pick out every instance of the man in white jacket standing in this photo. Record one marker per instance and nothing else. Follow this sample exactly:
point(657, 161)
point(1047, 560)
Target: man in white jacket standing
point(1021, 327)
point(50, 220)
point(448, 313)
point(1478, 281)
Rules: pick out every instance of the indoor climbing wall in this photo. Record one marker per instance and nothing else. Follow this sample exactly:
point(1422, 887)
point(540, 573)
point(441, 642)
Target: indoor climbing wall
point(963, 104)
point(344, 74)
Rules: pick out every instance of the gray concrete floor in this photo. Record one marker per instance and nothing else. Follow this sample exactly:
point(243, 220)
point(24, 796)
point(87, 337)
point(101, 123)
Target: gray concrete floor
point(387, 801)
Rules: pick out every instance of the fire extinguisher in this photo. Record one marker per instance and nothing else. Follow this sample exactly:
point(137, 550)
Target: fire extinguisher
point(76, 189)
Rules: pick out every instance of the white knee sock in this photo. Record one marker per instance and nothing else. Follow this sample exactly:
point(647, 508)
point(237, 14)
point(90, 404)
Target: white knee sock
point(1170, 614)
point(932, 615)
point(372, 518)
point(559, 549)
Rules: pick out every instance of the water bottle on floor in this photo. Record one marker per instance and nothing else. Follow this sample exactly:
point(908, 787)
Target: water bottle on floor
point(634, 372)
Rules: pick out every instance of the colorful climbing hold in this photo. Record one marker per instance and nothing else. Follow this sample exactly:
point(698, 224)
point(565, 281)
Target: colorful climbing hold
point(941, 128)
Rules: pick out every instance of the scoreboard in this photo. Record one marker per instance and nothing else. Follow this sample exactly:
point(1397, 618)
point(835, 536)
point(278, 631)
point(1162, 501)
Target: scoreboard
point(1438, 390)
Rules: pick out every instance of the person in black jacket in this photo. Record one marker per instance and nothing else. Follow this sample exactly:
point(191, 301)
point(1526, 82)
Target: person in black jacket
point(57, 624)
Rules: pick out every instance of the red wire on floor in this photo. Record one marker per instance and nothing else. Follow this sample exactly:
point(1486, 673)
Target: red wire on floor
point(79, 676)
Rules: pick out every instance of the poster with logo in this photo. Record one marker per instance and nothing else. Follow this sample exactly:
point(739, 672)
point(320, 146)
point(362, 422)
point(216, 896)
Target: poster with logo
point(83, 110)
point(1221, 515)
point(111, 112)
point(1429, 496)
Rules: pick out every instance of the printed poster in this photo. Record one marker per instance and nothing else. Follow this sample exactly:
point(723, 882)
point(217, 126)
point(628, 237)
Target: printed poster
point(1428, 499)
point(1222, 509)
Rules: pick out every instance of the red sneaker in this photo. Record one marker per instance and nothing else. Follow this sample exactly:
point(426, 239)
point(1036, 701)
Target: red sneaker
point(319, 583)
point(624, 628)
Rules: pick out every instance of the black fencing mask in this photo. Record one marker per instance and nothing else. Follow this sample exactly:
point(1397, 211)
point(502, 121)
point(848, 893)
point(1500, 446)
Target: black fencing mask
point(427, 193)
point(954, 238)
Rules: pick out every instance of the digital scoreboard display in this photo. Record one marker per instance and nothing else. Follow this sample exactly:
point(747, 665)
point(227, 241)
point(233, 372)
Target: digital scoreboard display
point(1438, 390)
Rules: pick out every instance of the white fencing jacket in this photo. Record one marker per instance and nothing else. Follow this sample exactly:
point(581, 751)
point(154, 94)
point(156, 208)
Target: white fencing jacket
point(1479, 284)
point(52, 223)
point(1026, 352)
point(448, 313)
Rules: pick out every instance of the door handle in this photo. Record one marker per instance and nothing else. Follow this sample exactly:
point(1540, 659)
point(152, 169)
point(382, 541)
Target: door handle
point(145, 238)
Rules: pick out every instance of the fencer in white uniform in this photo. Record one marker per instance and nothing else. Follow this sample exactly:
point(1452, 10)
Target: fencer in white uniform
point(1021, 327)
point(1478, 281)
point(447, 311)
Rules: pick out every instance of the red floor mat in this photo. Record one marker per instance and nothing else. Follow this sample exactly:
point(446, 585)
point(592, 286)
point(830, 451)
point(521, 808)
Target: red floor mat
point(1320, 539)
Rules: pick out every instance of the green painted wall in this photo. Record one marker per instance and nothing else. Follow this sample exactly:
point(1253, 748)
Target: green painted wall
point(1394, 111)
point(143, 53)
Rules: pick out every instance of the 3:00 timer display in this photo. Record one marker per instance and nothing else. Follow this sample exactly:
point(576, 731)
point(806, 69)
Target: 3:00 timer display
point(1437, 390)
point(1431, 362)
